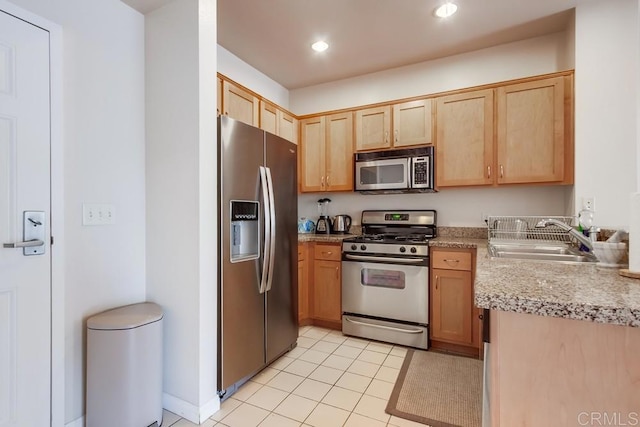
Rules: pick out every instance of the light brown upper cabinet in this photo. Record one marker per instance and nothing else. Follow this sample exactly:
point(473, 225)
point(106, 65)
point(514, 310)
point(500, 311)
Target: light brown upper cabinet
point(277, 122)
point(219, 90)
point(268, 117)
point(240, 104)
point(464, 143)
point(410, 124)
point(523, 136)
point(373, 127)
point(326, 153)
point(413, 123)
point(531, 132)
point(287, 126)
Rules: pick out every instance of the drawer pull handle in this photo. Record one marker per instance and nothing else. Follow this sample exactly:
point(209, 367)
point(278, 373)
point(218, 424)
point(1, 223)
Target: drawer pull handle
point(327, 253)
point(451, 260)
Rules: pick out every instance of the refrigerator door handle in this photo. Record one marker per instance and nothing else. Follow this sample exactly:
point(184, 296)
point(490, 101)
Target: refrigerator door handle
point(267, 230)
point(272, 220)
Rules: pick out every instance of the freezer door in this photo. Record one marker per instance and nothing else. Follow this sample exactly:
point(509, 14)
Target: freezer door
point(282, 296)
point(241, 305)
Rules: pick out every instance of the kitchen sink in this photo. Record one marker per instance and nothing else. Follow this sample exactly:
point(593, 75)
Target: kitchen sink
point(540, 252)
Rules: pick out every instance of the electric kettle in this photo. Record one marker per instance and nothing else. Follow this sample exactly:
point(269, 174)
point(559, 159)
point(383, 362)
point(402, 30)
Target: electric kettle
point(341, 224)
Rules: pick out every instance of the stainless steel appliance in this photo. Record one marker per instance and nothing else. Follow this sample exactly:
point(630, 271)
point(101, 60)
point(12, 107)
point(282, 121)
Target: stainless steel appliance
point(408, 170)
point(257, 251)
point(341, 224)
point(385, 277)
point(324, 225)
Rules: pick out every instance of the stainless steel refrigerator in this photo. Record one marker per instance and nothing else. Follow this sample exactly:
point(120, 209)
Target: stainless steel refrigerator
point(257, 290)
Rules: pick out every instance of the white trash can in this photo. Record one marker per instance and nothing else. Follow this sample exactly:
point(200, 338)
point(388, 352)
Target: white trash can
point(124, 367)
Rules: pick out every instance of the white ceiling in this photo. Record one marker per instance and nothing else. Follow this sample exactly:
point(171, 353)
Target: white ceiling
point(274, 36)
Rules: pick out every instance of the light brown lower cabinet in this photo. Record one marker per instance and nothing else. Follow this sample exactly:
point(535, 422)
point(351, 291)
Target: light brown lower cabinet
point(304, 317)
point(327, 286)
point(454, 322)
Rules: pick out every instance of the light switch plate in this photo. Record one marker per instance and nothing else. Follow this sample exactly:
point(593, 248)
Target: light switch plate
point(98, 214)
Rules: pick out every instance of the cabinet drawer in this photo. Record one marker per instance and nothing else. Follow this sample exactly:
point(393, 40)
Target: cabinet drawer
point(327, 252)
point(451, 260)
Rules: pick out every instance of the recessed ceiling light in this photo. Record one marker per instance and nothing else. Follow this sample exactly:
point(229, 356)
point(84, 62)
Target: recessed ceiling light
point(445, 10)
point(320, 46)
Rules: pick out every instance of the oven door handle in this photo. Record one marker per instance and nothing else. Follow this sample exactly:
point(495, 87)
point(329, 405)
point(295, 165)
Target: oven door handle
point(406, 331)
point(385, 259)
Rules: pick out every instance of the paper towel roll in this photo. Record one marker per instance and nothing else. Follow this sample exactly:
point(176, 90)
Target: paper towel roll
point(634, 234)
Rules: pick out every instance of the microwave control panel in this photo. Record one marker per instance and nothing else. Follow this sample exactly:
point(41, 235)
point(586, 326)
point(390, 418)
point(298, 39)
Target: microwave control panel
point(421, 174)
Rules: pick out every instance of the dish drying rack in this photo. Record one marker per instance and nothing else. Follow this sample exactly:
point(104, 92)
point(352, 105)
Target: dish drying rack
point(524, 230)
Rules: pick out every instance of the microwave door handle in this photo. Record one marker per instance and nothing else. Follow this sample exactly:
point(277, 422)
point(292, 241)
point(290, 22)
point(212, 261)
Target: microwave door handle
point(410, 172)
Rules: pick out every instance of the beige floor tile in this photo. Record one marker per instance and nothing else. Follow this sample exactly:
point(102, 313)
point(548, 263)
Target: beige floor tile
point(372, 357)
point(326, 374)
point(316, 333)
point(338, 339)
point(300, 367)
point(265, 376)
point(380, 347)
point(296, 407)
point(356, 342)
point(398, 351)
point(346, 350)
point(313, 356)
point(337, 362)
point(357, 420)
point(372, 407)
point(275, 420)
point(282, 363)
point(342, 398)
point(401, 422)
point(169, 418)
point(393, 361)
point(303, 329)
point(247, 389)
point(226, 408)
point(312, 389)
point(387, 374)
point(363, 368)
point(296, 352)
point(327, 416)
point(325, 346)
point(267, 398)
point(245, 415)
point(306, 342)
point(186, 423)
point(354, 382)
point(285, 381)
point(381, 389)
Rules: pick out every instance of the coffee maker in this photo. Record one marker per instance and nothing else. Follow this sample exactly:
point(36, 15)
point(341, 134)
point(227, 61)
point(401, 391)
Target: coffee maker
point(324, 225)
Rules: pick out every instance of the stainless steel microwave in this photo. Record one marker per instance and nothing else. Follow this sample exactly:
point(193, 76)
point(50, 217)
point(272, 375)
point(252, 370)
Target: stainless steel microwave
point(409, 170)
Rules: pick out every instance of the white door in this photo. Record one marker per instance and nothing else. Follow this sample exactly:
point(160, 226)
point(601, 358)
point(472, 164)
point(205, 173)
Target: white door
point(25, 278)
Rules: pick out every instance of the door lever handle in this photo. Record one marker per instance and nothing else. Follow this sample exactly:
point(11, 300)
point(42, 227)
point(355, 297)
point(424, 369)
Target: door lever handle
point(34, 222)
point(26, 244)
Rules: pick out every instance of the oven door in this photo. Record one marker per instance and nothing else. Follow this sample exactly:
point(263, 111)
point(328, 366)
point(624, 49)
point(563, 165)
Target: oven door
point(386, 287)
point(387, 174)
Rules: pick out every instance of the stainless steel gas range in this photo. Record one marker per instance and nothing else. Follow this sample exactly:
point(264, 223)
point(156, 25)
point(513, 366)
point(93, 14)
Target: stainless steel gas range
point(385, 277)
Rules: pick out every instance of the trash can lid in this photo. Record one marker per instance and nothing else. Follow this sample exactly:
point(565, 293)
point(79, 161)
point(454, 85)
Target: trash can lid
point(127, 317)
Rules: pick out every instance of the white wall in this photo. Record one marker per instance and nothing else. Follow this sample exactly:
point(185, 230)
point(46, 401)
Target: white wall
point(103, 137)
point(238, 70)
point(181, 198)
point(525, 58)
point(606, 88)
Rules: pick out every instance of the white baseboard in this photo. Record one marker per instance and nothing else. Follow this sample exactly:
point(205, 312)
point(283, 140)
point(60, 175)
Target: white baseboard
point(189, 411)
point(78, 422)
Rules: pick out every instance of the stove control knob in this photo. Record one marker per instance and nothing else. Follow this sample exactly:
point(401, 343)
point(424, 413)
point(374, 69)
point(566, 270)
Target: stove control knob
point(354, 247)
point(363, 247)
point(414, 250)
point(403, 249)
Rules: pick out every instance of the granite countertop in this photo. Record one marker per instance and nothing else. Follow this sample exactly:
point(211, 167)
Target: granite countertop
point(311, 237)
point(573, 291)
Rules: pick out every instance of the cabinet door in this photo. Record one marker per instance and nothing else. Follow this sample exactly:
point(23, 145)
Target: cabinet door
point(531, 137)
point(327, 290)
point(312, 154)
point(339, 152)
point(464, 142)
point(372, 128)
point(240, 104)
point(413, 123)
point(452, 306)
point(287, 127)
point(303, 283)
point(268, 117)
point(219, 90)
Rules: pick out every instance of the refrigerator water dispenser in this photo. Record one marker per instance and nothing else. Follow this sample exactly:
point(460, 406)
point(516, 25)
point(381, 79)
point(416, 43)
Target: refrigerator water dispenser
point(245, 237)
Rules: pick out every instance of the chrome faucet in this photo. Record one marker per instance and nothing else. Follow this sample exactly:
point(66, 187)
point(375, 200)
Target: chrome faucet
point(566, 227)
